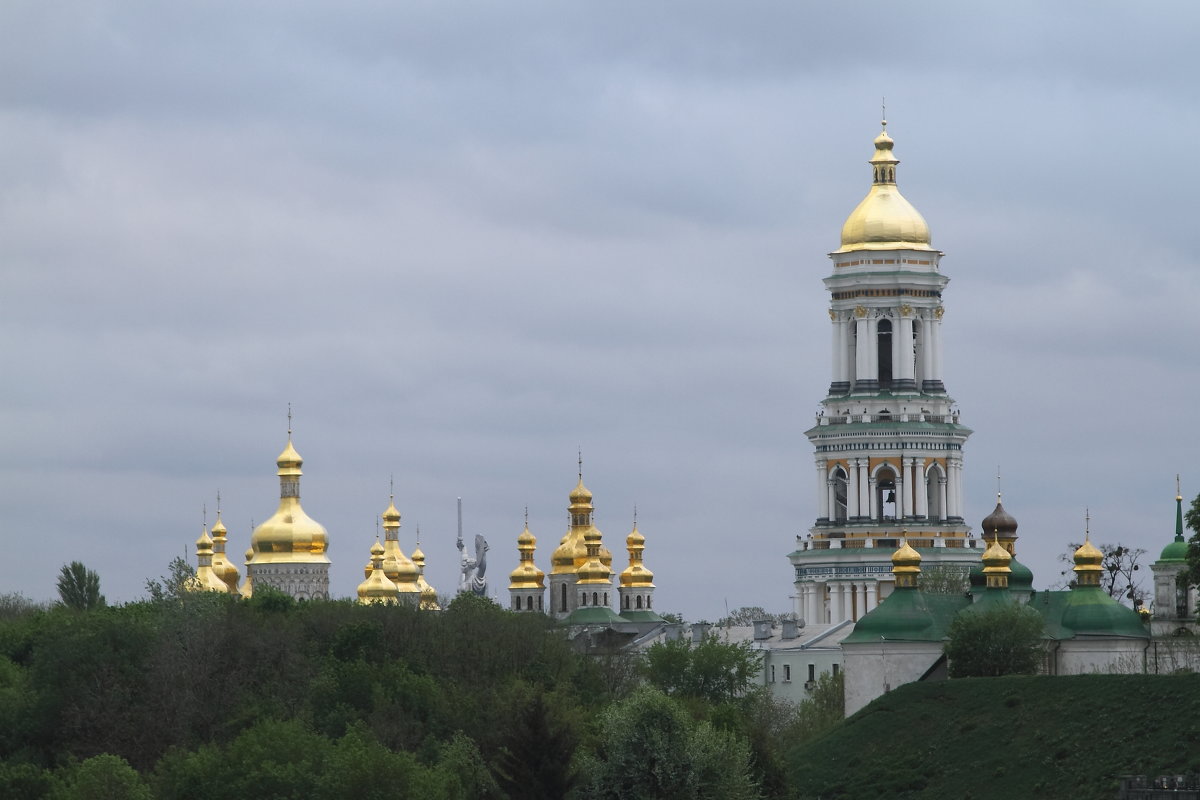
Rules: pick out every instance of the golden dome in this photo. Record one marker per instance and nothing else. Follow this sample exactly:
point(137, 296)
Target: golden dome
point(996, 560)
point(593, 570)
point(248, 584)
point(580, 494)
point(377, 588)
point(906, 565)
point(571, 553)
point(289, 536)
point(205, 580)
point(1088, 564)
point(884, 220)
point(636, 574)
point(429, 598)
point(527, 575)
point(222, 566)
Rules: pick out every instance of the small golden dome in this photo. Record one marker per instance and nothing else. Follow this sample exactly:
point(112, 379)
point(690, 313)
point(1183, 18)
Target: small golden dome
point(906, 565)
point(593, 570)
point(377, 588)
point(884, 220)
point(996, 557)
point(580, 494)
point(526, 575)
point(289, 458)
point(636, 574)
point(1088, 557)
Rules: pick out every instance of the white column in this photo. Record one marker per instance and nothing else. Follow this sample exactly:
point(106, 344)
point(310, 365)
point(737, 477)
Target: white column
point(910, 483)
point(901, 487)
point(958, 489)
point(864, 487)
point(937, 350)
point(862, 350)
point(952, 488)
point(872, 600)
point(896, 349)
point(920, 489)
point(873, 350)
point(838, 598)
point(852, 487)
point(822, 490)
point(905, 365)
point(873, 497)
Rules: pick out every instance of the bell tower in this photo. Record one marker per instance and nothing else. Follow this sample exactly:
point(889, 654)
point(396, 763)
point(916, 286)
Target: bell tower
point(888, 443)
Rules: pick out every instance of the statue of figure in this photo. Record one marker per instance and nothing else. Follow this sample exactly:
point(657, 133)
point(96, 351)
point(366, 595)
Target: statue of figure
point(473, 569)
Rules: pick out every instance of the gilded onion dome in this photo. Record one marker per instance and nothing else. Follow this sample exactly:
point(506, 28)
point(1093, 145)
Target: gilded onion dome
point(399, 569)
point(247, 590)
point(289, 536)
point(636, 574)
point(906, 566)
point(206, 580)
point(884, 220)
point(572, 553)
point(1088, 564)
point(996, 562)
point(429, 598)
point(377, 588)
point(527, 575)
point(222, 566)
point(594, 571)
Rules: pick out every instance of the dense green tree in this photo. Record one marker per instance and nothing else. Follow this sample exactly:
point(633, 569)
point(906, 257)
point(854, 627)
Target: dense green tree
point(711, 670)
point(649, 747)
point(534, 761)
point(1191, 518)
point(173, 585)
point(1000, 641)
point(106, 776)
point(79, 587)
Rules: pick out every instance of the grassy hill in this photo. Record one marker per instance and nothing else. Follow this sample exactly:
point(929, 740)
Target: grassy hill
point(1017, 737)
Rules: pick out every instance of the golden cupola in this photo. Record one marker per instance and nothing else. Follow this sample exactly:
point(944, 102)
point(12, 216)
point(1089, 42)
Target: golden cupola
point(996, 561)
point(636, 574)
point(206, 580)
point(594, 571)
point(571, 553)
point(884, 220)
point(429, 598)
point(1088, 563)
point(289, 536)
point(247, 589)
point(906, 566)
point(222, 566)
point(377, 588)
point(527, 575)
point(399, 569)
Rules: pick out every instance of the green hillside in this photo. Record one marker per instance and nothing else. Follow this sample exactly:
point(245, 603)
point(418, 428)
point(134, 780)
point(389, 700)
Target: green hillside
point(1015, 737)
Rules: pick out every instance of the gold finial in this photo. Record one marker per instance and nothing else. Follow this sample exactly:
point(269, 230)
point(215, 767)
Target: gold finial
point(635, 515)
point(289, 420)
point(204, 515)
point(392, 486)
point(997, 483)
point(1087, 524)
point(1178, 491)
point(581, 462)
point(218, 503)
point(883, 112)
point(418, 535)
point(526, 516)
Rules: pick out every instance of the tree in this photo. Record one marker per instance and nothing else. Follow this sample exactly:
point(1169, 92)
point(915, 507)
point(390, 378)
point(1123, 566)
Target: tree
point(945, 579)
point(173, 585)
point(79, 587)
point(648, 746)
point(1119, 578)
point(1191, 518)
point(713, 670)
point(1000, 641)
point(747, 615)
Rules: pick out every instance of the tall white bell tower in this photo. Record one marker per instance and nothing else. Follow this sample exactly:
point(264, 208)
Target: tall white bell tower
point(888, 441)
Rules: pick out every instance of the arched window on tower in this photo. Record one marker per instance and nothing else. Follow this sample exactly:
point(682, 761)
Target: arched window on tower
point(529, 603)
point(639, 602)
point(564, 598)
point(885, 353)
point(595, 598)
point(885, 493)
point(839, 495)
point(935, 492)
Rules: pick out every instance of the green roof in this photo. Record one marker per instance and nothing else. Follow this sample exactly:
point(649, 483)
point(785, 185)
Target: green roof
point(908, 615)
point(989, 599)
point(592, 615)
point(640, 616)
point(1175, 551)
point(1086, 610)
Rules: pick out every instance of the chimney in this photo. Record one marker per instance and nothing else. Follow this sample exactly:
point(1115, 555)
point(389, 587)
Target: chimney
point(699, 631)
point(790, 629)
point(762, 629)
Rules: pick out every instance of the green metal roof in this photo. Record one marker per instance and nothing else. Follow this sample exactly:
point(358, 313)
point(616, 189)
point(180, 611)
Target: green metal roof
point(640, 616)
point(592, 615)
point(908, 615)
point(1086, 610)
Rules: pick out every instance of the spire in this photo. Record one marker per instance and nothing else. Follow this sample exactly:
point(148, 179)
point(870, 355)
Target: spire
point(1178, 511)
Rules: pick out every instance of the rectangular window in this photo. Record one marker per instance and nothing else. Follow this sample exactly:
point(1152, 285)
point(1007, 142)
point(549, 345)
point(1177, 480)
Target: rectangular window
point(835, 670)
point(812, 672)
point(787, 672)
point(772, 673)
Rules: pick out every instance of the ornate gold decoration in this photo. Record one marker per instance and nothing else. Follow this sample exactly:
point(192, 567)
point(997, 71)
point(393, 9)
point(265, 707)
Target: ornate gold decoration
point(832, 314)
point(939, 311)
point(905, 310)
point(860, 311)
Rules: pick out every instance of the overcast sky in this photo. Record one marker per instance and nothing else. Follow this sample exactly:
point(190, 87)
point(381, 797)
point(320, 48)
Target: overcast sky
point(466, 239)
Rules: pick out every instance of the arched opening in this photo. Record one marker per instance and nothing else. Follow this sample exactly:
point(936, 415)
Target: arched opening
point(639, 602)
point(935, 492)
point(564, 598)
point(885, 493)
point(884, 338)
point(529, 603)
point(595, 598)
point(625, 602)
point(839, 495)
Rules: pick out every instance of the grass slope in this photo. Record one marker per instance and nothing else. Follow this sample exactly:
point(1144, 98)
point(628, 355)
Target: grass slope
point(1015, 737)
